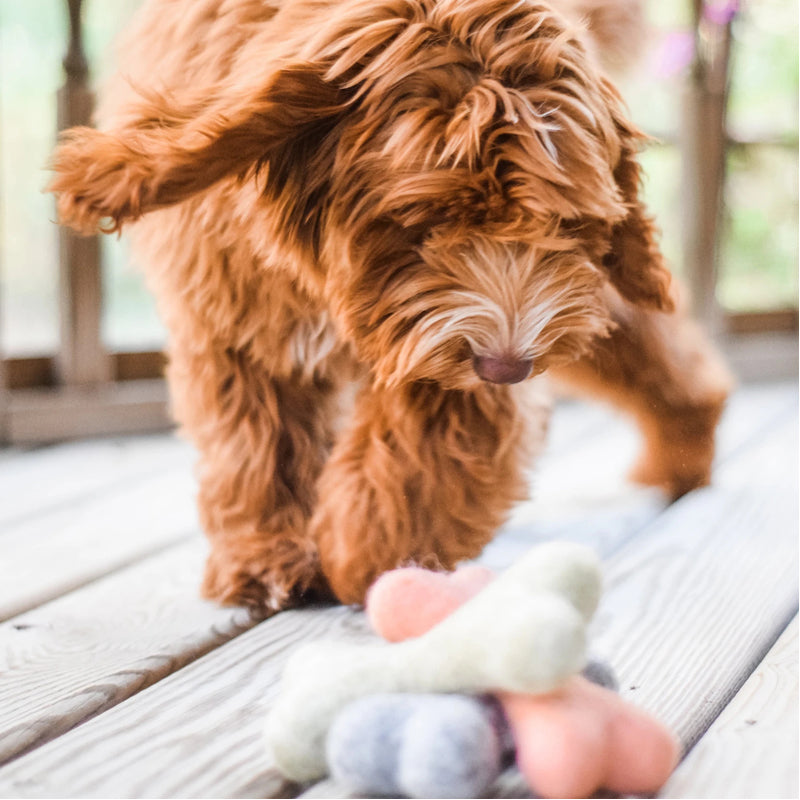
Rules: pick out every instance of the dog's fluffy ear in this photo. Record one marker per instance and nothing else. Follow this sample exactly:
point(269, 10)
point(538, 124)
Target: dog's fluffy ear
point(168, 154)
point(635, 264)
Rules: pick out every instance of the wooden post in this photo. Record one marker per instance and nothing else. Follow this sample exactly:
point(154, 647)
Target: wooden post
point(4, 398)
point(82, 357)
point(704, 139)
point(4, 393)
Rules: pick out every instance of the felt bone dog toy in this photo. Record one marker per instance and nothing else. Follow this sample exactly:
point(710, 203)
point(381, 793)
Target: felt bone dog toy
point(569, 742)
point(525, 632)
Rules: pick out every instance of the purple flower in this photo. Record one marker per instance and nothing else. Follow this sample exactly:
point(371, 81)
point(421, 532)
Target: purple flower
point(720, 12)
point(674, 54)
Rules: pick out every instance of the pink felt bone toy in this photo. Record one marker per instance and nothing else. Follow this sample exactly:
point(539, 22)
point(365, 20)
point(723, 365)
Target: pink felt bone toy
point(570, 742)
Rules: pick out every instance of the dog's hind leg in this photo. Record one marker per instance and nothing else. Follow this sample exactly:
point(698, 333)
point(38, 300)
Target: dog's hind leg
point(422, 476)
point(662, 369)
point(262, 442)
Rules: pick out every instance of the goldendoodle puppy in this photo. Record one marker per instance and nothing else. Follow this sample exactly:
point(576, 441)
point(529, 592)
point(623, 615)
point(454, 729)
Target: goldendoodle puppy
point(434, 200)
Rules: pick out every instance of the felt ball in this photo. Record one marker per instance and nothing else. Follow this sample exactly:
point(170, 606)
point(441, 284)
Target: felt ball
point(416, 745)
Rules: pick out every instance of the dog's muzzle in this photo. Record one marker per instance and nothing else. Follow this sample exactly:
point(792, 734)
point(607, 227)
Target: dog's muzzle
point(504, 369)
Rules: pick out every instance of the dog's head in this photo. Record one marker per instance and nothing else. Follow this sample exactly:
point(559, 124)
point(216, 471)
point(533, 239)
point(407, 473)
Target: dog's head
point(458, 169)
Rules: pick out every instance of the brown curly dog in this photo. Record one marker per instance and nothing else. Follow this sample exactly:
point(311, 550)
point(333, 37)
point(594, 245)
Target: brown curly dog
point(432, 200)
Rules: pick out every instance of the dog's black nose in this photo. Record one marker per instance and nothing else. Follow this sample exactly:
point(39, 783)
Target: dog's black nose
point(505, 369)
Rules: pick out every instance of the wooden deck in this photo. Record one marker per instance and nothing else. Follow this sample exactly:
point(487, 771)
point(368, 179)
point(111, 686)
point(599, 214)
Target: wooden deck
point(117, 681)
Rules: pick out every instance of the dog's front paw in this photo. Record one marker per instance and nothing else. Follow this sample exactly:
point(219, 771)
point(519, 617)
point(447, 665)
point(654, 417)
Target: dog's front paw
point(267, 584)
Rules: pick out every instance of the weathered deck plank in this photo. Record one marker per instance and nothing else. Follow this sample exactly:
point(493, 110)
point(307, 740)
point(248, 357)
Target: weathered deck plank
point(208, 744)
point(751, 750)
point(45, 556)
point(43, 694)
point(693, 606)
point(35, 481)
point(53, 696)
point(695, 600)
point(196, 733)
point(583, 495)
point(87, 651)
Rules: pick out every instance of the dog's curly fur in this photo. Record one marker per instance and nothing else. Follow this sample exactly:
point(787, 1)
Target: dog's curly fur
point(429, 198)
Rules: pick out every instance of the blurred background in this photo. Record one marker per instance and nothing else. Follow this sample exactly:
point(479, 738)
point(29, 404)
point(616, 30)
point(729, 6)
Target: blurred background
point(716, 82)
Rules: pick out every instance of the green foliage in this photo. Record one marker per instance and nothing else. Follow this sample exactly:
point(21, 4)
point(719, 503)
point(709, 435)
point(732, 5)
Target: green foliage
point(759, 250)
point(33, 37)
point(764, 80)
point(759, 247)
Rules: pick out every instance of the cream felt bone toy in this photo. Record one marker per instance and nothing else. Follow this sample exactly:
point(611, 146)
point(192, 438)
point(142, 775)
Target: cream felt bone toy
point(525, 632)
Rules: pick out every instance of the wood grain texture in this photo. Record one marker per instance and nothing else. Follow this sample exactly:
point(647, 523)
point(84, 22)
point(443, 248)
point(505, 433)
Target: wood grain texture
point(197, 733)
point(509, 784)
point(86, 651)
point(579, 488)
point(34, 482)
point(679, 588)
point(693, 605)
point(50, 554)
point(72, 412)
point(751, 750)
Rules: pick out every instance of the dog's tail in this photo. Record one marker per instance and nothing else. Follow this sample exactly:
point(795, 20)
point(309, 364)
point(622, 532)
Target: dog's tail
point(617, 30)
